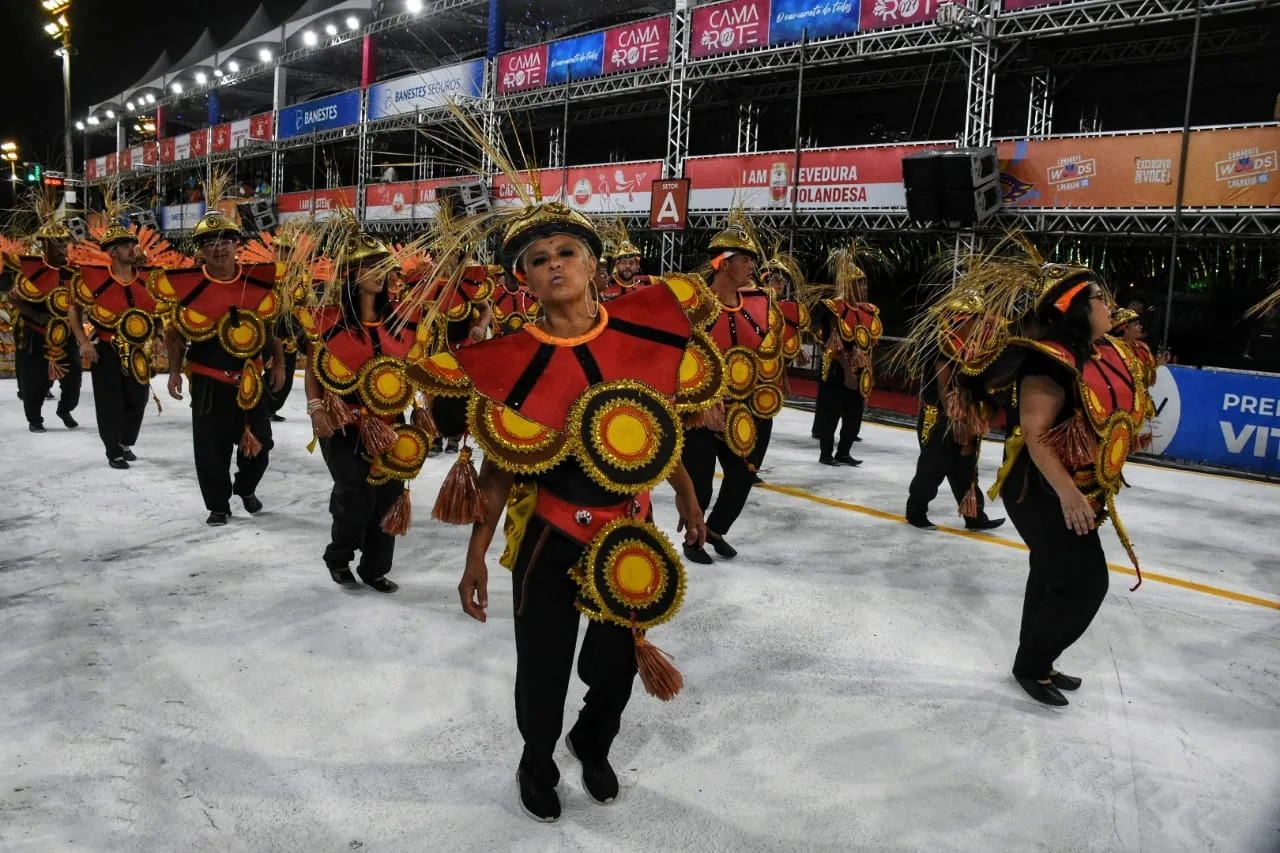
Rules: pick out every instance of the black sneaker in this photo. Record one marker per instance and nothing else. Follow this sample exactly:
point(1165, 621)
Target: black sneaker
point(48, 395)
point(846, 459)
point(921, 523)
point(697, 554)
point(382, 585)
point(36, 428)
point(723, 548)
point(119, 463)
point(1062, 681)
point(982, 523)
point(128, 455)
point(217, 519)
point(251, 504)
point(277, 419)
point(343, 577)
point(68, 421)
point(598, 778)
point(828, 460)
point(858, 439)
point(1041, 692)
point(539, 802)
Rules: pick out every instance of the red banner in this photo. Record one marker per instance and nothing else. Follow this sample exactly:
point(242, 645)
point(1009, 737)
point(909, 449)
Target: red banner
point(221, 140)
point(90, 170)
point(200, 142)
point(524, 69)
point(324, 203)
point(868, 177)
point(878, 14)
point(167, 150)
point(643, 44)
point(150, 154)
point(725, 27)
point(607, 188)
point(262, 126)
point(407, 199)
point(111, 165)
point(126, 160)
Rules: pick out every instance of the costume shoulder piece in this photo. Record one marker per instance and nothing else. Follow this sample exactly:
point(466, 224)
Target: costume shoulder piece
point(36, 282)
point(201, 306)
point(107, 299)
point(695, 297)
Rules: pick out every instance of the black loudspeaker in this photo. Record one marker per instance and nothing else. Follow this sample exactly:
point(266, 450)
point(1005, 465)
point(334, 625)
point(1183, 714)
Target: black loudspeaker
point(145, 219)
point(958, 186)
point(78, 227)
point(466, 199)
point(257, 216)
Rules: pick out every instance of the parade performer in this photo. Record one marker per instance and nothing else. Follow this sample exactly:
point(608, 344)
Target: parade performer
point(512, 304)
point(783, 277)
point(579, 417)
point(1081, 402)
point(219, 317)
point(111, 294)
point(357, 393)
point(626, 275)
point(748, 328)
point(42, 287)
point(1127, 325)
point(849, 327)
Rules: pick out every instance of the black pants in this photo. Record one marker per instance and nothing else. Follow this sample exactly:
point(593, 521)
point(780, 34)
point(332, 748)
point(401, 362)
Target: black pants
point(357, 508)
point(36, 382)
point(19, 355)
point(837, 404)
point(217, 425)
point(119, 401)
point(702, 448)
point(277, 398)
point(1068, 578)
point(546, 623)
point(941, 458)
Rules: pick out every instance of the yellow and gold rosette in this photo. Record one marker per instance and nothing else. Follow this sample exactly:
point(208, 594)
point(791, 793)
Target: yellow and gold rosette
point(701, 376)
point(766, 401)
point(514, 442)
point(739, 372)
point(249, 390)
point(242, 334)
point(630, 575)
point(740, 429)
point(404, 460)
point(630, 436)
point(384, 388)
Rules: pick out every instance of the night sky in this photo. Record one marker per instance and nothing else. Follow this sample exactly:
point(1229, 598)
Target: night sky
point(115, 44)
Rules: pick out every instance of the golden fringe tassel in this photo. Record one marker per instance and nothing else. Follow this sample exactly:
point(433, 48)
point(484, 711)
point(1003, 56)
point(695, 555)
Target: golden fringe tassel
point(396, 521)
point(376, 434)
point(250, 446)
point(1123, 536)
point(56, 371)
point(421, 418)
point(710, 418)
point(659, 675)
point(156, 398)
point(1073, 442)
point(340, 414)
point(460, 500)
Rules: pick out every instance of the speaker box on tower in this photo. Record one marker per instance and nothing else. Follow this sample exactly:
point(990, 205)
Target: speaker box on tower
point(257, 216)
point(958, 186)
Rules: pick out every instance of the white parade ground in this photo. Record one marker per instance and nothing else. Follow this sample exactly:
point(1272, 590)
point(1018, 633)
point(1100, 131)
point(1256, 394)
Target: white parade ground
point(169, 687)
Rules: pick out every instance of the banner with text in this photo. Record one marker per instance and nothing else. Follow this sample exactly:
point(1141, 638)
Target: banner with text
point(321, 114)
point(607, 188)
point(407, 200)
point(323, 203)
point(744, 24)
point(833, 179)
point(878, 14)
point(630, 47)
point(427, 90)
point(1226, 167)
point(730, 26)
point(180, 217)
point(1218, 417)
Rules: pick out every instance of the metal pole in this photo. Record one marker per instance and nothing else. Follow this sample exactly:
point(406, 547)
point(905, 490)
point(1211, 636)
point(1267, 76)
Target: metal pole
point(564, 145)
point(795, 175)
point(1182, 178)
point(68, 194)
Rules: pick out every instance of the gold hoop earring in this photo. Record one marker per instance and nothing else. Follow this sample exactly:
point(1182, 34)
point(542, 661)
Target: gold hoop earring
point(591, 299)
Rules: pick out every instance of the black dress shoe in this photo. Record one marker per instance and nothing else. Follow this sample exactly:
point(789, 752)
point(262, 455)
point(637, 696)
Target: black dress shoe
point(119, 463)
point(343, 577)
point(128, 455)
point(828, 460)
point(922, 523)
point(598, 778)
point(48, 395)
point(697, 554)
point(982, 523)
point(36, 428)
point(1062, 681)
point(846, 459)
point(277, 419)
point(67, 420)
point(723, 548)
point(858, 438)
point(756, 481)
point(217, 519)
point(1046, 693)
point(540, 802)
point(251, 504)
point(382, 585)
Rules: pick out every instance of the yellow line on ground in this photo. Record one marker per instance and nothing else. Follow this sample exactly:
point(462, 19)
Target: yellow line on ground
point(995, 540)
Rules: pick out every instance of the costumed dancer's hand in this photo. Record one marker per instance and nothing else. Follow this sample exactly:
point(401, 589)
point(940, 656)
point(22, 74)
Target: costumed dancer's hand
point(320, 424)
point(1078, 512)
point(277, 375)
point(691, 521)
point(89, 352)
point(473, 590)
point(175, 385)
point(477, 334)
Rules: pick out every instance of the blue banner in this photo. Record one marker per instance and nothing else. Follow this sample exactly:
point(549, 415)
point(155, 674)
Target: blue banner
point(426, 90)
point(1218, 417)
point(816, 19)
point(321, 114)
point(576, 58)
